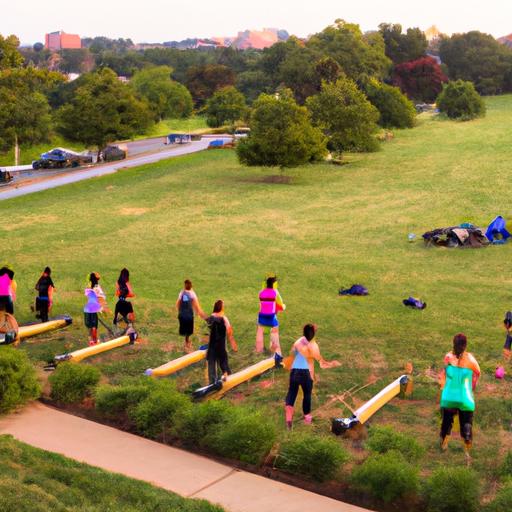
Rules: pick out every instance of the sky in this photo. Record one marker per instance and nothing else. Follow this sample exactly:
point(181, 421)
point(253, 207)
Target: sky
point(166, 20)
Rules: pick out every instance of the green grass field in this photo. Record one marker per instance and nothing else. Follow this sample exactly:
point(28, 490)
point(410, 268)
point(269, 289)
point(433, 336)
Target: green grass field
point(206, 218)
point(33, 480)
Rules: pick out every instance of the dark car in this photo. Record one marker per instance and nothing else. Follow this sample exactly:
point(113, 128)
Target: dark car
point(5, 177)
point(59, 158)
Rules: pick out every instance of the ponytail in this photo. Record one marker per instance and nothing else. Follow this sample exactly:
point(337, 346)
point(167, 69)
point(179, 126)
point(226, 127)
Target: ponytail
point(460, 342)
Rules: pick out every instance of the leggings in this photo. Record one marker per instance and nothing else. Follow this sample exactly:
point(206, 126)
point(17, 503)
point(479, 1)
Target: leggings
point(465, 420)
point(217, 358)
point(42, 306)
point(300, 378)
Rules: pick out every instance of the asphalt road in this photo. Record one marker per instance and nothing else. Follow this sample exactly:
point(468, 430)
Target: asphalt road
point(60, 177)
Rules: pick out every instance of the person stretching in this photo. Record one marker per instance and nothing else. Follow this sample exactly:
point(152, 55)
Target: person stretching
point(217, 355)
point(44, 299)
point(304, 352)
point(458, 381)
point(270, 304)
point(187, 304)
point(7, 289)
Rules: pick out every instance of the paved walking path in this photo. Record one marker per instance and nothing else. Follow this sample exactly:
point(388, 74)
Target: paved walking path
point(71, 176)
point(164, 466)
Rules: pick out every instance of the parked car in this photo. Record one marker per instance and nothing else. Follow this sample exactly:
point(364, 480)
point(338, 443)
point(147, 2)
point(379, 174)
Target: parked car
point(59, 158)
point(113, 153)
point(221, 144)
point(5, 177)
point(240, 133)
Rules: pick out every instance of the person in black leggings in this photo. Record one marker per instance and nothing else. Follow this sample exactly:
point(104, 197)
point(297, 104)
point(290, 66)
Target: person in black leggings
point(304, 352)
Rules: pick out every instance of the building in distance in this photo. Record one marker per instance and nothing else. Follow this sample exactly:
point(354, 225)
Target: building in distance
point(56, 41)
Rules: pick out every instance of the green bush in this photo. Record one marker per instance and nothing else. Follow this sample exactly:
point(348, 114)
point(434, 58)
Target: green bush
point(453, 490)
point(115, 400)
point(503, 500)
point(72, 382)
point(318, 458)
point(158, 413)
point(385, 439)
point(202, 421)
point(396, 110)
point(248, 436)
point(460, 100)
point(18, 381)
point(387, 477)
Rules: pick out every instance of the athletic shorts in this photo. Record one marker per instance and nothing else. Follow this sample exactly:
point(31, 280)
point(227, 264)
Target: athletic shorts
point(123, 308)
point(91, 320)
point(186, 326)
point(268, 320)
point(6, 300)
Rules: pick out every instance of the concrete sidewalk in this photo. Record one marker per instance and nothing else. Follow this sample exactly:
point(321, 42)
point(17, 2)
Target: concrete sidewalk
point(175, 470)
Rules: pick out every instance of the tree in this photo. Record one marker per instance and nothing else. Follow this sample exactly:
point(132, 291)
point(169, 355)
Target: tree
point(166, 98)
point(345, 116)
point(460, 100)
point(327, 70)
point(396, 110)
point(203, 81)
point(421, 80)
point(402, 47)
point(103, 110)
point(479, 58)
point(77, 60)
point(281, 134)
point(10, 57)
point(252, 83)
point(226, 106)
point(357, 54)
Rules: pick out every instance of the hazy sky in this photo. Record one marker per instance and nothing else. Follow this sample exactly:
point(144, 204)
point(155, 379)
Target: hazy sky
point(164, 20)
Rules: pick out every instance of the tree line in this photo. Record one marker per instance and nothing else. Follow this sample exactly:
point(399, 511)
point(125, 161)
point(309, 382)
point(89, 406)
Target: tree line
point(350, 83)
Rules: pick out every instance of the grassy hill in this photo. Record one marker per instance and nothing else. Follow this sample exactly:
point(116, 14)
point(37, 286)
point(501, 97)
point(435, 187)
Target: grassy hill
point(206, 218)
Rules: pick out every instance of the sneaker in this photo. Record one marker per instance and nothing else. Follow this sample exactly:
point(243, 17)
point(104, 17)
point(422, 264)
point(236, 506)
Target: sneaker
point(92, 343)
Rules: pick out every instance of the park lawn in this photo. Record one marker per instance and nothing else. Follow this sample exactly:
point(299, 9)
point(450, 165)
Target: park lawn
point(34, 480)
point(207, 218)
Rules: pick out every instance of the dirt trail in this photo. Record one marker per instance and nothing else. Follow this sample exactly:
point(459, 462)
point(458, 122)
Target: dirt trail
point(164, 466)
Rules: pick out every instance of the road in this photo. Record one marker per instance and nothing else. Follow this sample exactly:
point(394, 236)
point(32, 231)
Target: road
point(36, 182)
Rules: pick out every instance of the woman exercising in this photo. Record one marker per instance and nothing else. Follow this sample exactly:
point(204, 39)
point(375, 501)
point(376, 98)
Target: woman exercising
point(217, 355)
point(188, 304)
point(124, 308)
point(458, 381)
point(305, 351)
point(7, 289)
point(96, 303)
point(270, 304)
point(44, 299)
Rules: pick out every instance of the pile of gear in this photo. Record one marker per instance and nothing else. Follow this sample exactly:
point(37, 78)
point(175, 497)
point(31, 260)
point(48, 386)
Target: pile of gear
point(467, 235)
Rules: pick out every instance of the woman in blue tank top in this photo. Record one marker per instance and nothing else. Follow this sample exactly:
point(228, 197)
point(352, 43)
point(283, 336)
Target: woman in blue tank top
point(304, 351)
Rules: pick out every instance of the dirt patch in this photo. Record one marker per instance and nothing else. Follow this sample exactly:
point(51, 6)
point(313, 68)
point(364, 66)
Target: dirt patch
point(43, 220)
point(279, 179)
point(134, 212)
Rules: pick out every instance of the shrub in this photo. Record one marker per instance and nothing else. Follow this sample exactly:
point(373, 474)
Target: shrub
point(226, 106)
point(157, 414)
point(453, 490)
point(18, 381)
point(319, 458)
point(385, 439)
point(396, 110)
point(72, 382)
point(202, 421)
point(459, 100)
point(387, 477)
point(503, 500)
point(248, 436)
point(115, 400)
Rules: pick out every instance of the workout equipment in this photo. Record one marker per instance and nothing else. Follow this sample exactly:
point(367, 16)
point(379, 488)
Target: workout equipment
point(178, 364)
point(29, 330)
point(366, 411)
point(84, 353)
point(219, 388)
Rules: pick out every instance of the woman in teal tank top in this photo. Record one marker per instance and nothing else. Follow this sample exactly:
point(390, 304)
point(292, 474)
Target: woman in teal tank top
point(458, 382)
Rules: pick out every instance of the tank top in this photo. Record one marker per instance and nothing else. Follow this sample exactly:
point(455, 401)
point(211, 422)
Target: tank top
point(5, 285)
point(300, 362)
point(218, 333)
point(186, 311)
point(268, 298)
point(93, 304)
